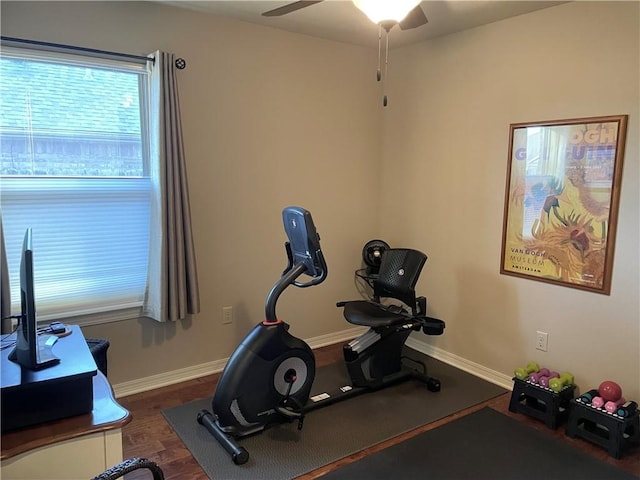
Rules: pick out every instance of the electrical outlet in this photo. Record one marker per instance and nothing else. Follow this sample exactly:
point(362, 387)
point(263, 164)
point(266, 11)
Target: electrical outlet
point(542, 340)
point(227, 315)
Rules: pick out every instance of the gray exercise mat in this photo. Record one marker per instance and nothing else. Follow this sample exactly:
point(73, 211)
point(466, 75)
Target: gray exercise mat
point(335, 431)
point(483, 445)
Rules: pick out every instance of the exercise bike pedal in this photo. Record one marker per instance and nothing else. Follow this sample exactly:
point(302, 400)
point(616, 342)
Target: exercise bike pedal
point(291, 415)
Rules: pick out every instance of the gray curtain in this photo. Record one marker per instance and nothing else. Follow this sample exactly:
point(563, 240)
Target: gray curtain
point(172, 281)
point(5, 292)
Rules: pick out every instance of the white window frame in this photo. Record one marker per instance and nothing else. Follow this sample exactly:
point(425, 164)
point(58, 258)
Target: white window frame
point(38, 195)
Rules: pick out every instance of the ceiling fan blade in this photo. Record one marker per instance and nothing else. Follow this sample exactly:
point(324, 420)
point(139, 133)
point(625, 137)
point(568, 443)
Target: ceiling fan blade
point(290, 7)
point(415, 18)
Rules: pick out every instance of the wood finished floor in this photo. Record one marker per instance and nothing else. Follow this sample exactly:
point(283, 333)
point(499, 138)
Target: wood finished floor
point(149, 435)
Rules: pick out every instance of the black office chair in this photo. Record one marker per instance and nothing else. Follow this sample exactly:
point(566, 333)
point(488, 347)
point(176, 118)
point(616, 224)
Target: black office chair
point(375, 358)
point(128, 466)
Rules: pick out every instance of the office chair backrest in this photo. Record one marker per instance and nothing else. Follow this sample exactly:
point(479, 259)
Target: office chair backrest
point(399, 272)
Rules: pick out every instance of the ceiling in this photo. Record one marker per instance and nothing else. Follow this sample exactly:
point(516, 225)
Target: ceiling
point(340, 20)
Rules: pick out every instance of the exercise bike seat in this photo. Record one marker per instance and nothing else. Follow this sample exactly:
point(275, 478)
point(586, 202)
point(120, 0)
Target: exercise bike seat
point(371, 314)
point(399, 272)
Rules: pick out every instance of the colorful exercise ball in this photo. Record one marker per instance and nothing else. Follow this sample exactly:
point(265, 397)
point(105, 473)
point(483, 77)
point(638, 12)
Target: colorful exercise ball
point(610, 391)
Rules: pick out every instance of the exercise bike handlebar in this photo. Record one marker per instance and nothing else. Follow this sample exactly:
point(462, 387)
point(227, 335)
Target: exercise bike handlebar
point(289, 277)
point(320, 268)
point(303, 254)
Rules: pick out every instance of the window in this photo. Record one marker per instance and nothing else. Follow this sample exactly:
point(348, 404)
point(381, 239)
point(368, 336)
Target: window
point(74, 167)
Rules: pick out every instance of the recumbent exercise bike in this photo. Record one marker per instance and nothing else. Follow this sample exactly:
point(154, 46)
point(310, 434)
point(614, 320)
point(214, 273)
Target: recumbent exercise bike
point(269, 376)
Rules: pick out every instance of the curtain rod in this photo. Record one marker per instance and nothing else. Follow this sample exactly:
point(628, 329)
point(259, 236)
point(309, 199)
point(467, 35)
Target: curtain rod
point(78, 49)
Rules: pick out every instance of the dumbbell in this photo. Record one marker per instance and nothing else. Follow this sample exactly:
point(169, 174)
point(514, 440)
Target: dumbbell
point(544, 381)
point(612, 407)
point(627, 409)
point(536, 376)
point(588, 397)
point(521, 373)
point(565, 379)
point(597, 402)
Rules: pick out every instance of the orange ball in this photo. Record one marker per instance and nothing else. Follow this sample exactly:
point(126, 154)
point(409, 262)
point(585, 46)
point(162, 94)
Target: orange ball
point(610, 391)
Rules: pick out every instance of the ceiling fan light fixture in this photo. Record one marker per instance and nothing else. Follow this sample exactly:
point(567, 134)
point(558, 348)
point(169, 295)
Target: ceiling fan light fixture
point(386, 10)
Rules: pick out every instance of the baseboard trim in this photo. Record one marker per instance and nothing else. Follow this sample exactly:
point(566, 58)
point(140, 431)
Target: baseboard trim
point(463, 364)
point(189, 373)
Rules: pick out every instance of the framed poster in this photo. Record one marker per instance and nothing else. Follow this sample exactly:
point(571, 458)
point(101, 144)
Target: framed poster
point(561, 201)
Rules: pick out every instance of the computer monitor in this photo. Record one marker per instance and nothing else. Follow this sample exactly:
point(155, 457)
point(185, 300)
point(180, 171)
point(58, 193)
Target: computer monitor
point(27, 352)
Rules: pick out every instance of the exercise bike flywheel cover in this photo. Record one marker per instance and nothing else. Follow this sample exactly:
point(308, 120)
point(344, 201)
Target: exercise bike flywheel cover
point(293, 363)
point(372, 252)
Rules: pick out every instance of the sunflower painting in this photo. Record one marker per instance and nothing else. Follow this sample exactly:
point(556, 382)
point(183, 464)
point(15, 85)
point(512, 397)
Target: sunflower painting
point(561, 201)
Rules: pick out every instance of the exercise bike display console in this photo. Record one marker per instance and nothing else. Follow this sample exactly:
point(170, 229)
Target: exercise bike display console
point(269, 377)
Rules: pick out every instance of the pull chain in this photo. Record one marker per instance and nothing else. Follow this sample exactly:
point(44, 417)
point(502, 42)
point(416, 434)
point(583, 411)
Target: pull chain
point(378, 73)
point(386, 25)
point(386, 70)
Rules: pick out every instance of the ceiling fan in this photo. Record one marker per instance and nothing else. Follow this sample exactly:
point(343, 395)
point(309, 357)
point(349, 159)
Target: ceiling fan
point(414, 18)
point(385, 13)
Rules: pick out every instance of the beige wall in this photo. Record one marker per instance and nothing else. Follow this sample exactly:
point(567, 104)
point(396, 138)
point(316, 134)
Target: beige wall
point(446, 143)
point(270, 119)
point(263, 109)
